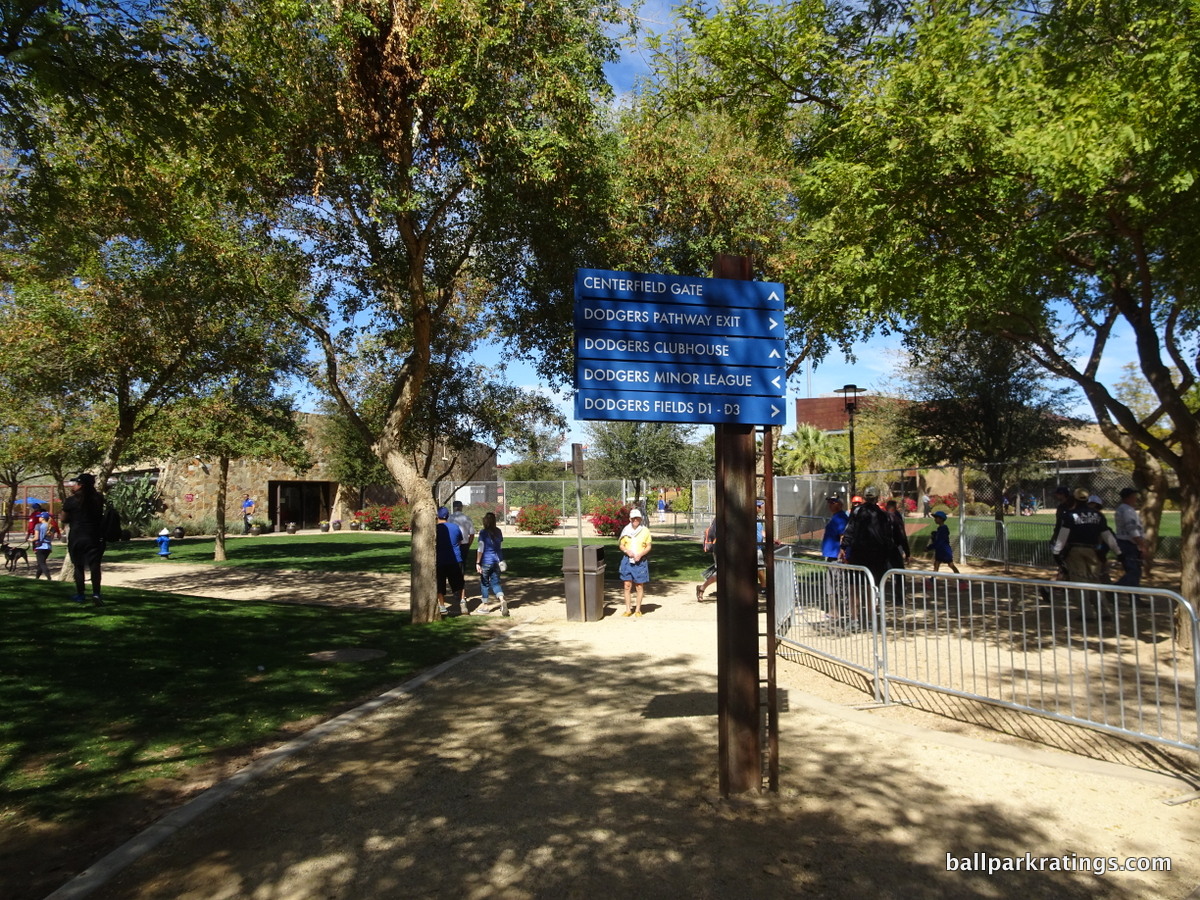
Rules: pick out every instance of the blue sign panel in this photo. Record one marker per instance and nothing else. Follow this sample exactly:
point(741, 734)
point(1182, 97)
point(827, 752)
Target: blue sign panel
point(671, 348)
point(680, 349)
point(603, 375)
point(637, 316)
point(601, 284)
point(695, 409)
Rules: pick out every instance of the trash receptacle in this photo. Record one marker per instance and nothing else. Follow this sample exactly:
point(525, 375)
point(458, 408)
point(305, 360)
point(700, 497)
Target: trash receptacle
point(592, 609)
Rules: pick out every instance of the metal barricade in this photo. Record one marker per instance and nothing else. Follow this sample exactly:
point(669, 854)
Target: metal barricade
point(1103, 656)
point(828, 609)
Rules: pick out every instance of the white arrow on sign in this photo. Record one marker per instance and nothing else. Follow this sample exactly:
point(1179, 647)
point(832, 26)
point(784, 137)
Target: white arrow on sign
point(772, 296)
point(774, 324)
point(775, 410)
point(774, 354)
point(775, 382)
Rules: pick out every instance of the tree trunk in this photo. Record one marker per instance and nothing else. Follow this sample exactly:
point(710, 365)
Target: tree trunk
point(417, 490)
point(1189, 551)
point(222, 486)
point(1152, 478)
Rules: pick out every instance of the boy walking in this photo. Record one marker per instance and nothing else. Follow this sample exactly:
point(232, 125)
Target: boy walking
point(943, 552)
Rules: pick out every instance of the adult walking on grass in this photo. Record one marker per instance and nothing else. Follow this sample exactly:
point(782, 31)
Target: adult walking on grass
point(635, 544)
point(83, 513)
point(489, 562)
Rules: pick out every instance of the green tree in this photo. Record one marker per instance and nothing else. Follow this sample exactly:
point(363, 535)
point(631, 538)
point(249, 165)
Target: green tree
point(446, 174)
point(642, 452)
point(978, 400)
point(806, 451)
point(1025, 171)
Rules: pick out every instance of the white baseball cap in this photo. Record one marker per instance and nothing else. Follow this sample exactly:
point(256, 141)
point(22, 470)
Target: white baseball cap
point(636, 514)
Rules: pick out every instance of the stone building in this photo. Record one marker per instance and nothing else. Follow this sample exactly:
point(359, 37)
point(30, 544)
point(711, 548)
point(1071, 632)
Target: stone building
point(282, 494)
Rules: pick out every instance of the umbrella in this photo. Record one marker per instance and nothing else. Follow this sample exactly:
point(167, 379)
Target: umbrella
point(29, 501)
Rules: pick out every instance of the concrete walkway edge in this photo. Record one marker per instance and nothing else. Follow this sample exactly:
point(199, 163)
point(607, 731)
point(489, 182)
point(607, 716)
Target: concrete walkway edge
point(106, 868)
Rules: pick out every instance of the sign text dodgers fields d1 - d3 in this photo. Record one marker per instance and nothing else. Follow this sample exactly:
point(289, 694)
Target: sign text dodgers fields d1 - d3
point(691, 409)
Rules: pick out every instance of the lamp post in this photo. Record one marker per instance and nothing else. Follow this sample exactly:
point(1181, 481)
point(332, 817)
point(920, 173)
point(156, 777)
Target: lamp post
point(850, 394)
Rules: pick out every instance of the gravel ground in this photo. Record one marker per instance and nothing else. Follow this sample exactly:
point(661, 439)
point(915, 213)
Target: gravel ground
point(579, 760)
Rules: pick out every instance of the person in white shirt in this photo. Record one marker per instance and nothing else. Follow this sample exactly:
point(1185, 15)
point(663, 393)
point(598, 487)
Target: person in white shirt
point(1131, 539)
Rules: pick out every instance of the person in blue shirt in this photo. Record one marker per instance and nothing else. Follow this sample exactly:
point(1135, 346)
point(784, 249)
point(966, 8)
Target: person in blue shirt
point(449, 562)
point(943, 552)
point(43, 533)
point(831, 543)
point(488, 563)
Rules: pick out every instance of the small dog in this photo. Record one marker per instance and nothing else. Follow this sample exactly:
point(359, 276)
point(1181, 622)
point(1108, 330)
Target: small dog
point(12, 554)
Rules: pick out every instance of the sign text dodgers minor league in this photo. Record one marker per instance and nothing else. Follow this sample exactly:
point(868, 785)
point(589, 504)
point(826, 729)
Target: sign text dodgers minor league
point(678, 349)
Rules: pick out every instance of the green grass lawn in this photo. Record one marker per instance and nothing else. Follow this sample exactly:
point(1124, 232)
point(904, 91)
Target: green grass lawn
point(673, 559)
point(99, 700)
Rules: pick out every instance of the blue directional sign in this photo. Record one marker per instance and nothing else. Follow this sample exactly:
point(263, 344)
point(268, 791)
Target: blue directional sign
point(603, 374)
point(672, 348)
point(694, 409)
point(636, 316)
point(683, 348)
point(677, 289)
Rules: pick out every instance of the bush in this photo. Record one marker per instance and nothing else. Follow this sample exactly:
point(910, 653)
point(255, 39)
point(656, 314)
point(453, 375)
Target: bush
point(539, 518)
point(683, 502)
point(384, 518)
point(609, 516)
point(910, 505)
point(137, 502)
point(949, 502)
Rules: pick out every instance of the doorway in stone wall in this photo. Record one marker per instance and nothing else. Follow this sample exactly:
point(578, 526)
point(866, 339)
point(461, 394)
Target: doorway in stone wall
point(306, 503)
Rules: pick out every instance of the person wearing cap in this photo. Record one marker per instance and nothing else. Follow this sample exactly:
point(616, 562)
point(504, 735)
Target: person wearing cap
point(939, 544)
point(449, 562)
point(635, 544)
point(1075, 541)
point(43, 533)
point(467, 528)
point(831, 541)
point(1131, 538)
point(83, 514)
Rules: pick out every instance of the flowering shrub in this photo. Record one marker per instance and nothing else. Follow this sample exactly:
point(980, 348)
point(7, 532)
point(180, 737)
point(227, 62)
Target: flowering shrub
point(384, 518)
point(947, 501)
point(609, 516)
point(538, 518)
point(910, 505)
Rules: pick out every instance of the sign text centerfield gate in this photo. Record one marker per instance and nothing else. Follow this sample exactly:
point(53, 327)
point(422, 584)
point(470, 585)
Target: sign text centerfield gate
point(671, 348)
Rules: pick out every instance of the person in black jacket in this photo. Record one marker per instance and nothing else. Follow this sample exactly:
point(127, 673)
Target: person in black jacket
point(83, 513)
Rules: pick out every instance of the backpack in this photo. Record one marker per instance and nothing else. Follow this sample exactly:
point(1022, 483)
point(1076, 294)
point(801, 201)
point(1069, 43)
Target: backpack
point(710, 540)
point(112, 524)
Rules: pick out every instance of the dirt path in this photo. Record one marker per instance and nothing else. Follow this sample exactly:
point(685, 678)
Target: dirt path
point(579, 760)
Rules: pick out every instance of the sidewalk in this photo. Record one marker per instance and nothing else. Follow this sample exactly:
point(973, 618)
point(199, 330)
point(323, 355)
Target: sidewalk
point(580, 760)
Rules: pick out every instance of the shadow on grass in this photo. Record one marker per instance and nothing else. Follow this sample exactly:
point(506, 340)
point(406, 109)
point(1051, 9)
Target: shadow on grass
point(97, 700)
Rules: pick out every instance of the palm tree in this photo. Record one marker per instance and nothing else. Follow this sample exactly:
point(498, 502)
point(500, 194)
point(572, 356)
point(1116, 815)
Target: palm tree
point(806, 451)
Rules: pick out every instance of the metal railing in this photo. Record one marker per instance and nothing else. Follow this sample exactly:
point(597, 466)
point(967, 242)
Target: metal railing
point(1103, 656)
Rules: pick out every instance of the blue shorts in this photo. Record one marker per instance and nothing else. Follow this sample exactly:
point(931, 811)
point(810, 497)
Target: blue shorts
point(638, 573)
